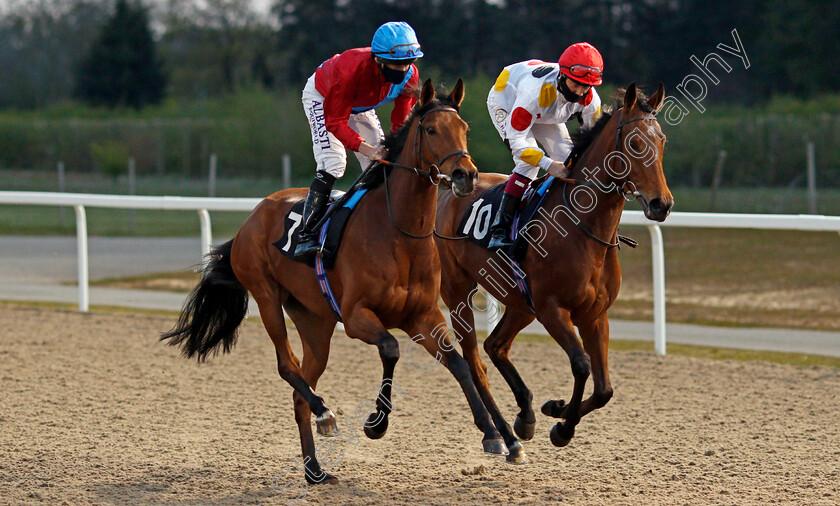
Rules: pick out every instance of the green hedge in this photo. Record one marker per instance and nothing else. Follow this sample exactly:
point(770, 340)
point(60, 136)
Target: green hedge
point(250, 131)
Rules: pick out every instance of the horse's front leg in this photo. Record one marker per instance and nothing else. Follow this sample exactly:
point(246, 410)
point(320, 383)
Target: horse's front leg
point(430, 331)
point(497, 345)
point(463, 323)
point(559, 325)
point(363, 324)
point(596, 340)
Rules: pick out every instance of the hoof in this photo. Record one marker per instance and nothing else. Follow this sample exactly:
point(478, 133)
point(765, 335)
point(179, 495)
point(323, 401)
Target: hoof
point(554, 408)
point(321, 478)
point(524, 430)
point(495, 446)
point(517, 454)
point(375, 431)
point(558, 436)
point(326, 424)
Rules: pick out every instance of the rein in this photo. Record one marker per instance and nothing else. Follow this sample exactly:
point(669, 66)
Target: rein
point(434, 175)
point(622, 190)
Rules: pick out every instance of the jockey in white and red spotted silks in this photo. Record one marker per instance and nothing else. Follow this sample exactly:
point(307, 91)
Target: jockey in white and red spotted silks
point(529, 105)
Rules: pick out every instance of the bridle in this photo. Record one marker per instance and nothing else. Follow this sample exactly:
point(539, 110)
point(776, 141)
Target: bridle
point(619, 145)
point(434, 174)
point(626, 189)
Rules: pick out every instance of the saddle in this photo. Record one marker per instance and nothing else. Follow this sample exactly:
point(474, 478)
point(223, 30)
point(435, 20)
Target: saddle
point(475, 224)
point(330, 232)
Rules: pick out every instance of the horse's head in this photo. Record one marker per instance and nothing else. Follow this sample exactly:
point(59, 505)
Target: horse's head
point(441, 139)
point(639, 146)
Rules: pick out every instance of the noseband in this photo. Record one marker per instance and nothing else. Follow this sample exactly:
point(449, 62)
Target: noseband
point(435, 175)
point(627, 189)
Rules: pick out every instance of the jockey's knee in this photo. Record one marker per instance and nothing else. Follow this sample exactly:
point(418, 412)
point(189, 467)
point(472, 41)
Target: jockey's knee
point(526, 170)
point(335, 168)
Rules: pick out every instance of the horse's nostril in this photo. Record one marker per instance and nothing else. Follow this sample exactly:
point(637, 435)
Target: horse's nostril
point(459, 174)
point(657, 205)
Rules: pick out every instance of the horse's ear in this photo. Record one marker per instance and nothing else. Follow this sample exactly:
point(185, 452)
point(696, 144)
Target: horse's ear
point(457, 95)
point(656, 100)
point(427, 94)
point(630, 97)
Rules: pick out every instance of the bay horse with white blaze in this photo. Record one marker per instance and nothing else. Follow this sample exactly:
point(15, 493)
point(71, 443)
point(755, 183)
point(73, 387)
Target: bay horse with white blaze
point(571, 264)
point(386, 275)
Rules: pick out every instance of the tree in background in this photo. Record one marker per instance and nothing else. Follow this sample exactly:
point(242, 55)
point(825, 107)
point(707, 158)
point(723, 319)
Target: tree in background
point(41, 43)
point(217, 46)
point(122, 68)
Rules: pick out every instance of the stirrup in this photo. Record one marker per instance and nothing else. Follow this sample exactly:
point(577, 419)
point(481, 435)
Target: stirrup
point(500, 229)
point(307, 246)
point(500, 237)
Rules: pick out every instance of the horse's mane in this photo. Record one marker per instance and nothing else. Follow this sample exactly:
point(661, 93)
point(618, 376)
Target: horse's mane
point(584, 138)
point(395, 142)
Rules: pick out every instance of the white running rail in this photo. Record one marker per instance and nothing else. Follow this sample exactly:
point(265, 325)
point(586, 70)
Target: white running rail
point(79, 200)
point(202, 205)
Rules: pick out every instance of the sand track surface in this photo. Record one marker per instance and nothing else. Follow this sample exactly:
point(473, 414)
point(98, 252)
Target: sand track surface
point(94, 410)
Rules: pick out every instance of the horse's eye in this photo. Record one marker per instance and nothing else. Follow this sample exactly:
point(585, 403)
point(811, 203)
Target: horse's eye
point(430, 130)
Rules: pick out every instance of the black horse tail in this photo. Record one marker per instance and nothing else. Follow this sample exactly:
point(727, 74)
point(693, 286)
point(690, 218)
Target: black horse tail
point(213, 311)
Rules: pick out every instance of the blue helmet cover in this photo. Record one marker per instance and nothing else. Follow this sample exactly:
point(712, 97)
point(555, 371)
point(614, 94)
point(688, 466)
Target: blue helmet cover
point(396, 40)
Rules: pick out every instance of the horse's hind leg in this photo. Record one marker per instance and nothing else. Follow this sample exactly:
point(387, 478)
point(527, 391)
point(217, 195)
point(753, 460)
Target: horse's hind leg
point(362, 324)
point(596, 340)
point(463, 323)
point(430, 330)
point(559, 326)
point(316, 333)
point(497, 345)
point(287, 363)
point(270, 301)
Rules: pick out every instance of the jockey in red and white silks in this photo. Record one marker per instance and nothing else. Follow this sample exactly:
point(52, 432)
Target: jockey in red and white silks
point(526, 108)
point(529, 105)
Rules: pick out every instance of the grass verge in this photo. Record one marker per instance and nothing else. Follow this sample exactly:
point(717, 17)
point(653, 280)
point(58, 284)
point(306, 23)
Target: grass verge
point(619, 345)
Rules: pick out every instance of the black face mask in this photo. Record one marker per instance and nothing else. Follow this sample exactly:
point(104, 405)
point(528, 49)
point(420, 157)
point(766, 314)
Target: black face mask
point(568, 94)
point(392, 75)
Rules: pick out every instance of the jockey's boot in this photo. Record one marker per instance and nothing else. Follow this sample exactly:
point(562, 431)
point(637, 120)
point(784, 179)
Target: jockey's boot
point(313, 211)
point(500, 229)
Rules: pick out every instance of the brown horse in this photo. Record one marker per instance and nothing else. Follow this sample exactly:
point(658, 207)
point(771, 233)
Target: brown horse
point(571, 264)
point(386, 275)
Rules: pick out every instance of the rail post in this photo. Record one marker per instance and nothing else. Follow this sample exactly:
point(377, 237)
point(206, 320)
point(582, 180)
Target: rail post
point(206, 235)
point(658, 260)
point(82, 257)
